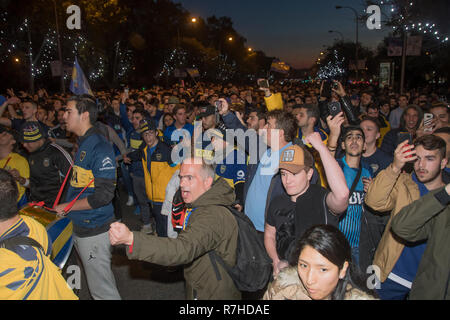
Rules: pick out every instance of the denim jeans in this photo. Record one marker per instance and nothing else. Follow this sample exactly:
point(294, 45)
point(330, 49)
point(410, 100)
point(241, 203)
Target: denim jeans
point(160, 220)
point(126, 178)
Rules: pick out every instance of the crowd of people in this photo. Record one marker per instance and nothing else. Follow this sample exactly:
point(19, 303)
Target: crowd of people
point(339, 182)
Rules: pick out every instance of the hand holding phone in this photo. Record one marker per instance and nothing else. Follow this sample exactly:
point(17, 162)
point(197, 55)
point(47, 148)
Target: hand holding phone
point(404, 153)
point(334, 108)
point(263, 84)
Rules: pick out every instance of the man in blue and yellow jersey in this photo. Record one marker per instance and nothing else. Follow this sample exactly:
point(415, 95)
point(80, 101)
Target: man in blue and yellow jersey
point(26, 271)
point(90, 193)
point(158, 169)
point(231, 164)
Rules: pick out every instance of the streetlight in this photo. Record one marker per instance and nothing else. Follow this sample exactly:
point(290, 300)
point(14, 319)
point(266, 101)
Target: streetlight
point(250, 49)
point(356, 49)
point(16, 60)
point(193, 20)
point(230, 38)
point(340, 33)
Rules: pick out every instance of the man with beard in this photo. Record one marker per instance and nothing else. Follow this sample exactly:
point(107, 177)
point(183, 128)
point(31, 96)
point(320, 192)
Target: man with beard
point(392, 190)
point(256, 119)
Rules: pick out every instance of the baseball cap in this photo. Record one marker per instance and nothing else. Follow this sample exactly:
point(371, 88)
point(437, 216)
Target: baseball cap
point(31, 132)
point(206, 111)
point(295, 158)
point(173, 100)
point(146, 125)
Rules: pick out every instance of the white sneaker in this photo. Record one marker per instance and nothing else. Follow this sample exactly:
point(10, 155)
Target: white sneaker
point(130, 201)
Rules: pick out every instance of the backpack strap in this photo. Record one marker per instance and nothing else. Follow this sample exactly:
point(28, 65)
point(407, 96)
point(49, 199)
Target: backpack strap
point(212, 256)
point(355, 182)
point(19, 241)
point(325, 209)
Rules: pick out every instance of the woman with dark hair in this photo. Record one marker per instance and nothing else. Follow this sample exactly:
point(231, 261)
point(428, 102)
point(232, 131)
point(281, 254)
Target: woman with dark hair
point(167, 121)
point(410, 121)
point(321, 269)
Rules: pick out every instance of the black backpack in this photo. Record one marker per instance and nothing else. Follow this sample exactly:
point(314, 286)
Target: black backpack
point(253, 267)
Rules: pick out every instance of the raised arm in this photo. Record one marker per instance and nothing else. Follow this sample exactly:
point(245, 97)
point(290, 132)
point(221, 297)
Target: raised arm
point(337, 199)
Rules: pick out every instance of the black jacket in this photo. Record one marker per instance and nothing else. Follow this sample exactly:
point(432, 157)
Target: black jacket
point(48, 168)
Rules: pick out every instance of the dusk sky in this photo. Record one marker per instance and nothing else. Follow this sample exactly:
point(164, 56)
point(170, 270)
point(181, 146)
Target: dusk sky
point(292, 30)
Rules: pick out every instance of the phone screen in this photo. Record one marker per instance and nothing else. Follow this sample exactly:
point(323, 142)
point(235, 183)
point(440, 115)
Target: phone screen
point(263, 83)
point(402, 136)
point(218, 104)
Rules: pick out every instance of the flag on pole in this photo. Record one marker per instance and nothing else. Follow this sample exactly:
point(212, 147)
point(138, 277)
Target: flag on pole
point(193, 72)
point(79, 84)
point(280, 66)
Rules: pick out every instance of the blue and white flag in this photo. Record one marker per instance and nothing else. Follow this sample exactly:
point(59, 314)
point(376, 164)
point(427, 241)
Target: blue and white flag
point(79, 84)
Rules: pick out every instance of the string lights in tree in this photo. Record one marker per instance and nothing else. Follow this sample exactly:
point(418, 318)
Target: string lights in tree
point(334, 69)
point(404, 17)
point(125, 62)
point(9, 47)
point(177, 58)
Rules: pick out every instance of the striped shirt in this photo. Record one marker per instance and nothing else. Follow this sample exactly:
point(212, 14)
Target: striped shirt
point(350, 221)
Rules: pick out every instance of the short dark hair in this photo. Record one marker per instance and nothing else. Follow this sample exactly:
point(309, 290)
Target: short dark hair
point(373, 106)
point(431, 142)
point(346, 130)
point(311, 110)
point(259, 113)
point(154, 102)
point(86, 103)
point(8, 195)
point(144, 113)
point(30, 101)
point(440, 105)
point(178, 107)
point(286, 122)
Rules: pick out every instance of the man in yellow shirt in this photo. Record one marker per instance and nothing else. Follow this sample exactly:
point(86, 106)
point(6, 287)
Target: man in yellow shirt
point(14, 163)
point(26, 271)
